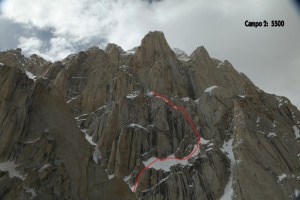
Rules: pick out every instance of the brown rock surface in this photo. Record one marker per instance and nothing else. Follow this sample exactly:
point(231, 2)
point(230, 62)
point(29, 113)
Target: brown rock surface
point(250, 147)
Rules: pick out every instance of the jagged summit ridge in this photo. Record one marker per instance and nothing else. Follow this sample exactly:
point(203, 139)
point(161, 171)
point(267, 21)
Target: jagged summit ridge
point(154, 48)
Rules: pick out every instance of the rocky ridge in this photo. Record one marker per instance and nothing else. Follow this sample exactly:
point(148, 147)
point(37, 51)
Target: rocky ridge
point(250, 147)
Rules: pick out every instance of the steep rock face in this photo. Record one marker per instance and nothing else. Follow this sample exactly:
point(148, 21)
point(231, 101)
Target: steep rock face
point(39, 133)
point(250, 146)
point(155, 63)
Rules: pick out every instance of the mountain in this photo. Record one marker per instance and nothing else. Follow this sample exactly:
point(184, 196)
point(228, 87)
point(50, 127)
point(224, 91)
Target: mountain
point(86, 126)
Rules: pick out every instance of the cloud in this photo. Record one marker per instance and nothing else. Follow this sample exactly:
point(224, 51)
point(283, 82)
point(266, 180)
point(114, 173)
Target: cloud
point(30, 45)
point(268, 55)
point(73, 23)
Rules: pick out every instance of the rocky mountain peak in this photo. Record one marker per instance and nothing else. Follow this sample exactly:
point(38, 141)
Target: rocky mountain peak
point(201, 55)
point(111, 47)
point(88, 125)
point(154, 48)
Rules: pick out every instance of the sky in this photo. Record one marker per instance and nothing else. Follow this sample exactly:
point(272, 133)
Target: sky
point(269, 56)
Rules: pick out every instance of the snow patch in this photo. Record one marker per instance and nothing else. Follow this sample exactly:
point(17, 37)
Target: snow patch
point(272, 135)
point(79, 77)
point(97, 155)
point(210, 89)
point(72, 99)
point(228, 150)
point(30, 75)
point(258, 121)
point(181, 55)
point(126, 178)
point(274, 124)
point(220, 64)
point(133, 95)
point(100, 108)
point(31, 191)
point(111, 176)
point(88, 137)
point(209, 149)
point(45, 167)
point(281, 177)
point(242, 96)
point(150, 94)
point(133, 125)
point(204, 141)
point(297, 193)
point(185, 99)
point(1, 64)
point(31, 141)
point(9, 166)
point(296, 132)
point(123, 67)
point(164, 164)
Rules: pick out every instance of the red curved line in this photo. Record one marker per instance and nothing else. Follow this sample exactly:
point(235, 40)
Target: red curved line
point(187, 117)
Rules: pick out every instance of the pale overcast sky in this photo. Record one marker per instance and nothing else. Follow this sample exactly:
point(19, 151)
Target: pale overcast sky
point(269, 56)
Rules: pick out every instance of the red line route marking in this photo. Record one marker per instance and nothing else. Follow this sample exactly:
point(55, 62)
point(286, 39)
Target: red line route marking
point(187, 117)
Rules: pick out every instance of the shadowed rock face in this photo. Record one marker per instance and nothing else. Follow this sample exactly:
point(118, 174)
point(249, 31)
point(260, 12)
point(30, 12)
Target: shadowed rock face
point(250, 147)
point(40, 135)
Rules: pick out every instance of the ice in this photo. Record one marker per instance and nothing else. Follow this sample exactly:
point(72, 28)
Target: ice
point(132, 95)
point(227, 148)
point(210, 89)
point(133, 125)
point(296, 132)
point(9, 166)
point(282, 177)
point(30, 75)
